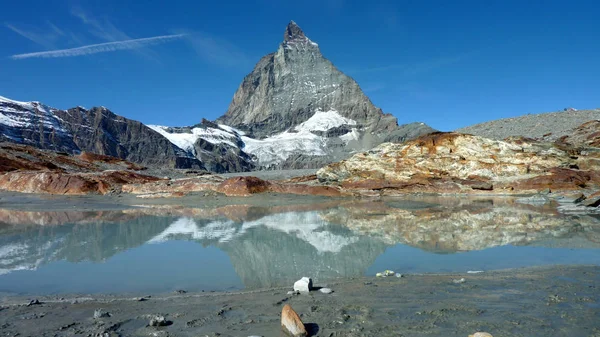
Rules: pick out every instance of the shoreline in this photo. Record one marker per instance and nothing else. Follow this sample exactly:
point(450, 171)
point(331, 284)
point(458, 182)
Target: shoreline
point(548, 300)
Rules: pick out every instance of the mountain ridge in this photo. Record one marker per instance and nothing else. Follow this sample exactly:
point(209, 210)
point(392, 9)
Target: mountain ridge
point(294, 110)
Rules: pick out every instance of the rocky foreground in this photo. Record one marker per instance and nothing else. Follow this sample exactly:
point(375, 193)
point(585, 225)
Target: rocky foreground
point(557, 301)
point(451, 163)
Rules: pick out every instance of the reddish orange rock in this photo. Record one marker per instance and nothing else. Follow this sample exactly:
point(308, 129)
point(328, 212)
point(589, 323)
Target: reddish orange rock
point(291, 324)
point(56, 182)
point(243, 186)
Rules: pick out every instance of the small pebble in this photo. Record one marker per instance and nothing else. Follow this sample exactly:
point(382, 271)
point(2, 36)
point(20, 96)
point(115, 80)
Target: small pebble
point(99, 313)
point(326, 290)
point(458, 281)
point(34, 302)
point(398, 275)
point(159, 321)
point(293, 292)
point(481, 334)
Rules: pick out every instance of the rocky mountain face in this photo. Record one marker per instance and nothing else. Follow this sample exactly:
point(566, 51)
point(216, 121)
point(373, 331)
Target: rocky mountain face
point(287, 87)
point(97, 130)
point(295, 110)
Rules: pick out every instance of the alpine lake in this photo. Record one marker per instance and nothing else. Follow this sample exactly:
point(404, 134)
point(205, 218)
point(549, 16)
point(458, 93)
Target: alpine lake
point(234, 247)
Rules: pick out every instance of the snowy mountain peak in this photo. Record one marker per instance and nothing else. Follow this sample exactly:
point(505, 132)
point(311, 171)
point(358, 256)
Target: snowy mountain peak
point(293, 32)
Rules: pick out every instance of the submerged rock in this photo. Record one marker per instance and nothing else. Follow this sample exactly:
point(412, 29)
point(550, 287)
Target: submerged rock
point(291, 324)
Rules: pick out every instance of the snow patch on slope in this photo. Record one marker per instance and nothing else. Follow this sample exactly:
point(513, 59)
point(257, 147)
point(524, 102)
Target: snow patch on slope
point(15, 114)
point(271, 150)
point(186, 140)
point(278, 148)
point(300, 139)
point(324, 120)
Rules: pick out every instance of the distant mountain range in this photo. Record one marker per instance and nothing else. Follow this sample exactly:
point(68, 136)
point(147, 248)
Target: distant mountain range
point(294, 110)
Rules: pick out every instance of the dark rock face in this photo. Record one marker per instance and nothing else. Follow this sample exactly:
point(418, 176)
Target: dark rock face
point(222, 158)
point(288, 86)
point(97, 130)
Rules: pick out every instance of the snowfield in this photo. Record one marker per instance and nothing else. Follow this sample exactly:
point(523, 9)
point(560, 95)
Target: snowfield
point(186, 140)
point(324, 120)
point(28, 115)
point(271, 150)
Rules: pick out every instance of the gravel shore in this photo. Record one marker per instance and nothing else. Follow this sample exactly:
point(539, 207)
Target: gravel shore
point(550, 301)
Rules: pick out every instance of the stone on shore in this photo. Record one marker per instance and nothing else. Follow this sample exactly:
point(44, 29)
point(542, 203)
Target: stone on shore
point(326, 290)
point(303, 285)
point(100, 313)
point(592, 200)
point(481, 334)
point(291, 324)
point(159, 321)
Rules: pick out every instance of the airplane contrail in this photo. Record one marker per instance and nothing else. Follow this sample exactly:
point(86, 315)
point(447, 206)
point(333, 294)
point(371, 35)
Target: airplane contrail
point(101, 47)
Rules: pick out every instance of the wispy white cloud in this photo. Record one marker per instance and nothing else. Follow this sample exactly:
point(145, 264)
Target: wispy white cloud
point(102, 29)
point(46, 39)
point(215, 50)
point(102, 47)
point(105, 30)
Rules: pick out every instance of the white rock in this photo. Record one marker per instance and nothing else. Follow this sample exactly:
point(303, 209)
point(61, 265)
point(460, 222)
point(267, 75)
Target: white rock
point(398, 275)
point(462, 280)
point(474, 271)
point(303, 285)
point(293, 292)
point(326, 290)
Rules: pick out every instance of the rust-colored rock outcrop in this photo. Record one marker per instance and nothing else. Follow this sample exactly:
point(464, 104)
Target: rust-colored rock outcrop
point(69, 183)
point(461, 163)
point(30, 170)
point(243, 186)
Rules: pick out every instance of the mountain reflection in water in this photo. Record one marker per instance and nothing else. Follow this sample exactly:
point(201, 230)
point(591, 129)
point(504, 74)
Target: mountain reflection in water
point(271, 246)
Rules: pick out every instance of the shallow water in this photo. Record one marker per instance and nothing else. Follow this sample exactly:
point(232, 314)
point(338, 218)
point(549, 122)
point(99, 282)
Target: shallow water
point(237, 246)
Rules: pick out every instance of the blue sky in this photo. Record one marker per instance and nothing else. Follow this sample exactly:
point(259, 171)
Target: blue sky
point(445, 63)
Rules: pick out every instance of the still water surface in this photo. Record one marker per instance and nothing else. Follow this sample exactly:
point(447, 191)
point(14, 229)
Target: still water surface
point(236, 246)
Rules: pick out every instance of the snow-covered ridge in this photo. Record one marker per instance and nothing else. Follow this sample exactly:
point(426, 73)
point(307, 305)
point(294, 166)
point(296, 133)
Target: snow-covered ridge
point(15, 114)
point(186, 140)
point(274, 149)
